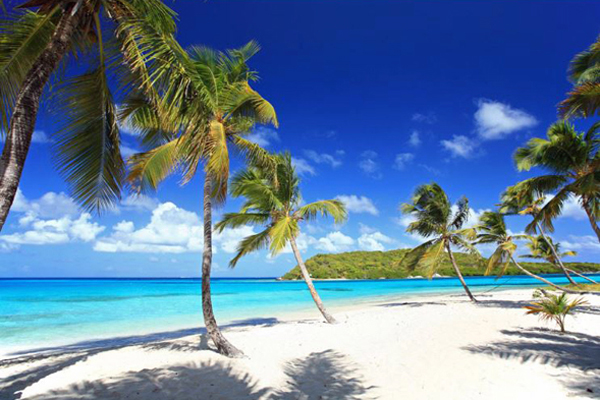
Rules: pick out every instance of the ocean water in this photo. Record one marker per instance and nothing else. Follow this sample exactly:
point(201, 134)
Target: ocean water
point(38, 313)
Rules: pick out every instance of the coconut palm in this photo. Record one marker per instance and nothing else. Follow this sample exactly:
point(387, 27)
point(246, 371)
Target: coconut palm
point(522, 200)
point(104, 36)
point(584, 99)
point(492, 229)
point(276, 205)
point(554, 307)
point(573, 161)
point(435, 219)
point(206, 108)
point(540, 248)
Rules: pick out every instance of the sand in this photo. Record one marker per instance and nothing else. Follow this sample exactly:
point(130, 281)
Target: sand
point(429, 347)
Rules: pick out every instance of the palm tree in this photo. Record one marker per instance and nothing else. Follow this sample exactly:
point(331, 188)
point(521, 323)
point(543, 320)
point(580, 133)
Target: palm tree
point(33, 44)
point(434, 219)
point(206, 107)
point(573, 160)
point(584, 99)
point(492, 229)
point(275, 204)
point(554, 307)
point(540, 248)
point(522, 200)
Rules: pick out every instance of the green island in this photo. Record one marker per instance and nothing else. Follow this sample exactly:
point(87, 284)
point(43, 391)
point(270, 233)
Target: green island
point(384, 264)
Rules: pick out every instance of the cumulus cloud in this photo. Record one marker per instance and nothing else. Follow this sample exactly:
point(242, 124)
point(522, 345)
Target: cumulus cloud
point(495, 120)
point(263, 136)
point(324, 158)
point(585, 243)
point(335, 242)
point(50, 205)
point(415, 139)
point(402, 160)
point(374, 241)
point(171, 230)
point(303, 167)
point(358, 204)
point(460, 146)
point(369, 164)
point(53, 231)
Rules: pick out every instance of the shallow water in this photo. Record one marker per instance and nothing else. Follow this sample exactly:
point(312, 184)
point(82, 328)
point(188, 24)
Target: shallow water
point(43, 312)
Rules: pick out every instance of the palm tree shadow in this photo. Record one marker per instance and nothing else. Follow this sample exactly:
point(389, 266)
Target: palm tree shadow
point(323, 375)
point(579, 352)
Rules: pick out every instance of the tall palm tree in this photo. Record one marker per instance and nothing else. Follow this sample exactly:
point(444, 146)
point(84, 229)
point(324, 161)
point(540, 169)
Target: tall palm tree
point(584, 99)
point(492, 229)
point(520, 199)
point(206, 107)
point(573, 162)
point(540, 248)
point(33, 44)
point(434, 219)
point(276, 205)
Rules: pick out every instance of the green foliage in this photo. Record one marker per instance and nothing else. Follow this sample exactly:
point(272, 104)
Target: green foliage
point(553, 307)
point(389, 264)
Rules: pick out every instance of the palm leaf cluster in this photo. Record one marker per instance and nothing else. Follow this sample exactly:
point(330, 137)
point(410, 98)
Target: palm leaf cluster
point(554, 307)
point(87, 146)
point(435, 219)
point(274, 202)
point(205, 109)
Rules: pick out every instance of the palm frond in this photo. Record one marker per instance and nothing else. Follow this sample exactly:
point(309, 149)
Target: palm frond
point(281, 232)
point(335, 208)
point(149, 169)
point(235, 220)
point(250, 244)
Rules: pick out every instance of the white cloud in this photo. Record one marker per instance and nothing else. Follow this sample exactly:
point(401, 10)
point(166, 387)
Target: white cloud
point(374, 241)
point(587, 242)
point(139, 203)
point(369, 164)
point(324, 158)
point(171, 230)
point(50, 205)
point(263, 136)
point(415, 139)
point(335, 242)
point(460, 146)
point(127, 151)
point(358, 204)
point(40, 137)
point(402, 159)
point(429, 118)
point(303, 167)
point(495, 120)
point(571, 208)
point(54, 231)
point(365, 228)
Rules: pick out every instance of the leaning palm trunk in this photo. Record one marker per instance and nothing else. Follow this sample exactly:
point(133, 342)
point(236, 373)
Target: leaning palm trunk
point(547, 282)
point(581, 276)
point(223, 345)
point(459, 274)
point(591, 217)
point(313, 292)
point(22, 124)
point(555, 253)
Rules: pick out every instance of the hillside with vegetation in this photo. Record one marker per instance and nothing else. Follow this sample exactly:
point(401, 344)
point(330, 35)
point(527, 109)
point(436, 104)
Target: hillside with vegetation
point(384, 264)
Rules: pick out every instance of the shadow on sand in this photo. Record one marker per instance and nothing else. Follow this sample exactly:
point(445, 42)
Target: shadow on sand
point(324, 375)
point(578, 352)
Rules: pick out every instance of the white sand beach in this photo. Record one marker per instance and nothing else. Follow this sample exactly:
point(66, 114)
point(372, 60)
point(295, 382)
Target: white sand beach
point(429, 347)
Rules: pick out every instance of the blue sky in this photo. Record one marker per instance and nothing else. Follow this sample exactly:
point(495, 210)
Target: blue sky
point(374, 98)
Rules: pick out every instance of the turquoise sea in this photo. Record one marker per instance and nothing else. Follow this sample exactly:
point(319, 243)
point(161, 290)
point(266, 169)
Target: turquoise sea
point(39, 313)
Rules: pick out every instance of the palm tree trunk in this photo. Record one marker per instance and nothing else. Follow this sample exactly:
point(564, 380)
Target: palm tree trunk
point(223, 345)
point(22, 123)
point(555, 253)
point(582, 276)
point(459, 274)
point(547, 282)
point(591, 217)
point(313, 292)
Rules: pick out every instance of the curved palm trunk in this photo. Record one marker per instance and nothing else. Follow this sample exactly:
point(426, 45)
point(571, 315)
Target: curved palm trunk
point(546, 281)
point(555, 253)
point(459, 274)
point(223, 345)
point(591, 217)
point(313, 292)
point(22, 123)
point(581, 276)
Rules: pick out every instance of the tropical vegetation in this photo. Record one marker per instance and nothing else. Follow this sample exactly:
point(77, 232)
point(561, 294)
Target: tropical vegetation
point(275, 202)
point(553, 307)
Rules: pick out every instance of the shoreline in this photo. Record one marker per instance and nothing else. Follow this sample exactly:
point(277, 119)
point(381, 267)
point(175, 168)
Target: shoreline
point(386, 349)
point(308, 313)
